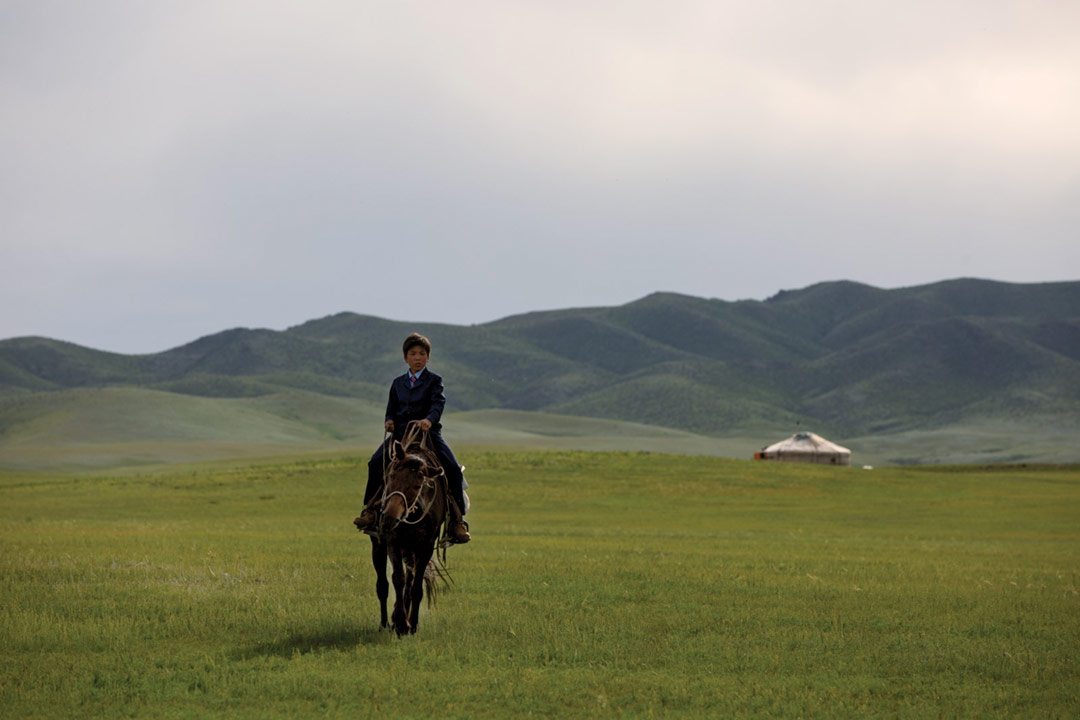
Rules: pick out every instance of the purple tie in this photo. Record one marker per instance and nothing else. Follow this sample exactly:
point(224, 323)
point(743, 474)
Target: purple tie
point(412, 380)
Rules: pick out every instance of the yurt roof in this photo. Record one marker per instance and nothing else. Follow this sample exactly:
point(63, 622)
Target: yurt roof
point(807, 442)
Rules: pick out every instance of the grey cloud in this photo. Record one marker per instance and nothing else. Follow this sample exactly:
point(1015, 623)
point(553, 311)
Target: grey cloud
point(174, 169)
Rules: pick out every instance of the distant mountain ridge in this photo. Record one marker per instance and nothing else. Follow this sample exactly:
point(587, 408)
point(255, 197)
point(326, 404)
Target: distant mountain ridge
point(838, 356)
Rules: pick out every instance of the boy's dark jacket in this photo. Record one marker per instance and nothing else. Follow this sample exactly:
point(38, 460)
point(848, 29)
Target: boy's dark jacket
point(424, 400)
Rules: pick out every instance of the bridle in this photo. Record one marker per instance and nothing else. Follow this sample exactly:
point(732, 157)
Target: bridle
point(410, 508)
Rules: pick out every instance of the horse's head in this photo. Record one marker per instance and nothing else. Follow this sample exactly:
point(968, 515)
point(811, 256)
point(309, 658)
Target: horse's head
point(408, 478)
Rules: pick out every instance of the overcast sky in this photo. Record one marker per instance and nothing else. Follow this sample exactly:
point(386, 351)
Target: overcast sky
point(172, 169)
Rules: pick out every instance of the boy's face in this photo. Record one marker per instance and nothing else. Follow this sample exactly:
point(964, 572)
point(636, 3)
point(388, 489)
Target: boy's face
point(416, 358)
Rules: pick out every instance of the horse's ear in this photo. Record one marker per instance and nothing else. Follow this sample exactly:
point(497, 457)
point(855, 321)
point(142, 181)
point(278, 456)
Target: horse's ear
point(398, 450)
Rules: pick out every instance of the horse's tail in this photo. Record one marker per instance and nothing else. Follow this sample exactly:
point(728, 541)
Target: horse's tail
point(435, 575)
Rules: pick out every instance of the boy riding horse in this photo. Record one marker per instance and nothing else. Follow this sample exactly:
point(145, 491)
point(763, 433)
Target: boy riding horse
point(416, 396)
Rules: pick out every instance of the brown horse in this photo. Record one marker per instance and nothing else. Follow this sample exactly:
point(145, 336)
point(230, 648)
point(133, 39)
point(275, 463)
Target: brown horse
point(414, 511)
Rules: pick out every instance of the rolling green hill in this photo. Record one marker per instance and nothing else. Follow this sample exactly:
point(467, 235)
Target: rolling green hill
point(846, 359)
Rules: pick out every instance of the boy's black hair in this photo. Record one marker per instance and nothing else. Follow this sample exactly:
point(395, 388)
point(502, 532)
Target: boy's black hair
point(414, 340)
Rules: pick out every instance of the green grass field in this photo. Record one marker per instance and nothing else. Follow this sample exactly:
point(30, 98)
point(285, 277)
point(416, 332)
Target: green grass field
point(106, 429)
point(598, 584)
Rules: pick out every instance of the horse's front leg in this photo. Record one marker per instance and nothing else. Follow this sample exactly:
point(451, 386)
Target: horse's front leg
point(420, 563)
point(409, 571)
point(382, 587)
point(399, 618)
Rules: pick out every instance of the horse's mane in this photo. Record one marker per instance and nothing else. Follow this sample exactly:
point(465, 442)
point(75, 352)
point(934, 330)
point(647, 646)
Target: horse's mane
point(412, 461)
point(418, 457)
point(417, 449)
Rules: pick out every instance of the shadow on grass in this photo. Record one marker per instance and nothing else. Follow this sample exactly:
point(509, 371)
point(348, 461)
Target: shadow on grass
point(315, 641)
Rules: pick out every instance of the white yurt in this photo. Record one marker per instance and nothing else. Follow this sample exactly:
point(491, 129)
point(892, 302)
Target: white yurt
point(807, 447)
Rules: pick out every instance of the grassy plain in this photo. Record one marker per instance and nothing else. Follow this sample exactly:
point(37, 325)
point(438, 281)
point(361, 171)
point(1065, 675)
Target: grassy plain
point(598, 584)
point(103, 429)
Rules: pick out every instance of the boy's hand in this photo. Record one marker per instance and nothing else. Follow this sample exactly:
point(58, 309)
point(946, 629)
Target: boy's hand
point(389, 426)
point(425, 424)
